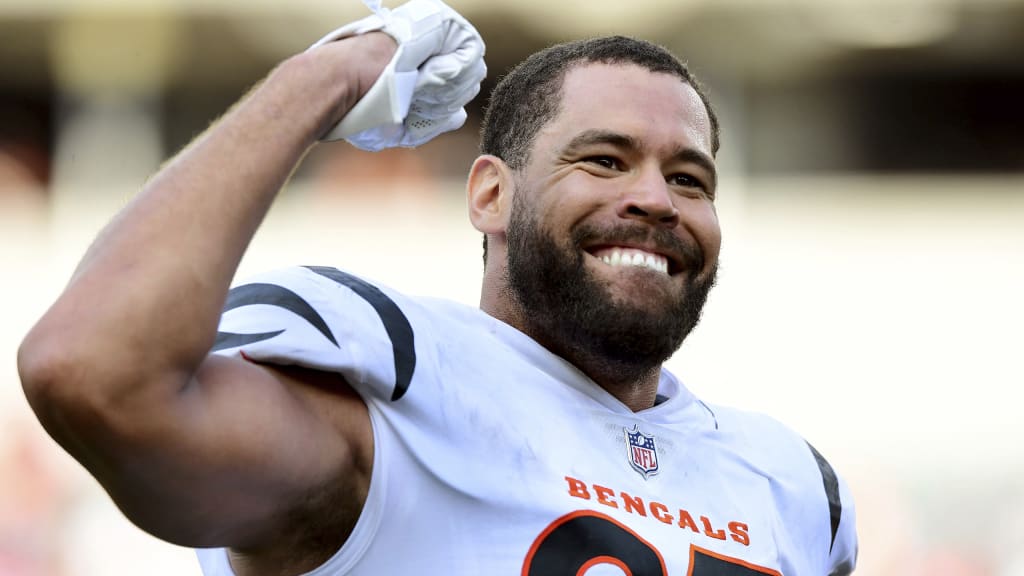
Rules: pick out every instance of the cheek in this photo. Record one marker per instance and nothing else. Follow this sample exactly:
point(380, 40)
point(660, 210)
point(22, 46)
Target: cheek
point(708, 233)
point(566, 207)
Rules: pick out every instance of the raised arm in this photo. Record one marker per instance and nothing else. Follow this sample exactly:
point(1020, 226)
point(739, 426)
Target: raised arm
point(203, 450)
point(116, 369)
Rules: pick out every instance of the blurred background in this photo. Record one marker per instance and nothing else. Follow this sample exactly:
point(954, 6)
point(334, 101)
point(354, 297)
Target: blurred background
point(872, 202)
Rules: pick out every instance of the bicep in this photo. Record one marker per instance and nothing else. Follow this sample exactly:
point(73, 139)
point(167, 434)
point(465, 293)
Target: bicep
point(236, 450)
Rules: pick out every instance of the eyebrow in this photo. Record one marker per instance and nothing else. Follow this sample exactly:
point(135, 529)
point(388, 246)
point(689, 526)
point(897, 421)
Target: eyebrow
point(625, 141)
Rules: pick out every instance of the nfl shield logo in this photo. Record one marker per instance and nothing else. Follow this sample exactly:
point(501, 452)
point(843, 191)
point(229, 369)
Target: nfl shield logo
point(643, 456)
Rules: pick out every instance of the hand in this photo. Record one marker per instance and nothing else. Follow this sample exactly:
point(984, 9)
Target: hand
point(422, 91)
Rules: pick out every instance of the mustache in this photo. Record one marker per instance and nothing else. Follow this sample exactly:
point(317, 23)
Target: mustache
point(686, 253)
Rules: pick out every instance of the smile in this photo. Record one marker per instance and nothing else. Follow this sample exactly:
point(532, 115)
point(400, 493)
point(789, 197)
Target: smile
point(618, 256)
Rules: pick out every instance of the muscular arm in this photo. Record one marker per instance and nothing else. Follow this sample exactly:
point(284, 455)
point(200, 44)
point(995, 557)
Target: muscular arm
point(198, 450)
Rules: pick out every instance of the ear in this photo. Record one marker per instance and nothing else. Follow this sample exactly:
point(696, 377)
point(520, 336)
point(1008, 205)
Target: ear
point(489, 190)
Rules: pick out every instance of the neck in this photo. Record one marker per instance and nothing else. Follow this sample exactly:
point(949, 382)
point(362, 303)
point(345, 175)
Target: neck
point(633, 385)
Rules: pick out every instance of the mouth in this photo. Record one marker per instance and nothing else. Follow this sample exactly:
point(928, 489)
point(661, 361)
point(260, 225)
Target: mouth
point(628, 256)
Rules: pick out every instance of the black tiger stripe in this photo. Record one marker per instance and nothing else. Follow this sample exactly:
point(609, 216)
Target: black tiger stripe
point(395, 323)
point(831, 483)
point(227, 340)
point(274, 295)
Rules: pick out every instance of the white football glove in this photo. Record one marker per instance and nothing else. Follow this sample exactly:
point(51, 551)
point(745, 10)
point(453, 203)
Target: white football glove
point(421, 93)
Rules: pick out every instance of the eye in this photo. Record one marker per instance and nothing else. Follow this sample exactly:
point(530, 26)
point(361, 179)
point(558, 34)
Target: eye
point(691, 183)
point(685, 180)
point(608, 162)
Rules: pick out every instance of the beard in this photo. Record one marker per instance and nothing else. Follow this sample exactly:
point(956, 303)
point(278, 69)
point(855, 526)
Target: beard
point(572, 312)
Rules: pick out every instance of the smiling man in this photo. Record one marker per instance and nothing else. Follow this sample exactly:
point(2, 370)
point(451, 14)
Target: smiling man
point(611, 244)
point(311, 422)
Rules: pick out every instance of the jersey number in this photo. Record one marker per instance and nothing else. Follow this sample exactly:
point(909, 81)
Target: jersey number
point(577, 541)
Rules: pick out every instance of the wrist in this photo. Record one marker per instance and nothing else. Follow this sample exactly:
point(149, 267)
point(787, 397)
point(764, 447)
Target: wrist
point(344, 70)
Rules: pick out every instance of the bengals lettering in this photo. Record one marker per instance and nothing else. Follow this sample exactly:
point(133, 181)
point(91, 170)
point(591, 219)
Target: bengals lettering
point(737, 531)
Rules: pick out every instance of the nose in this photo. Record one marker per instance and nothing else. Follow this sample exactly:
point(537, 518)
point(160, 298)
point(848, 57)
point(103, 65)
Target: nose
point(648, 198)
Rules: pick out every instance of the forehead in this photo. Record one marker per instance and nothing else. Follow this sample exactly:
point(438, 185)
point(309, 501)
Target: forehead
point(657, 108)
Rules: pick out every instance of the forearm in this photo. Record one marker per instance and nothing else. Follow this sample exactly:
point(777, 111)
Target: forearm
point(146, 297)
point(159, 271)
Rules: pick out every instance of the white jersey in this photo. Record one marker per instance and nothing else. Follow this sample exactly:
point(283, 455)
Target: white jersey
point(494, 456)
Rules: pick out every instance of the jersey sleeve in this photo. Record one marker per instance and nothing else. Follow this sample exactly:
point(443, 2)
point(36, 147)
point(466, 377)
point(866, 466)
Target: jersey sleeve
point(324, 319)
point(814, 502)
point(843, 555)
point(842, 552)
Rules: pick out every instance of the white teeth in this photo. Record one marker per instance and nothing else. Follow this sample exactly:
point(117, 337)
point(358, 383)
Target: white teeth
point(617, 257)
